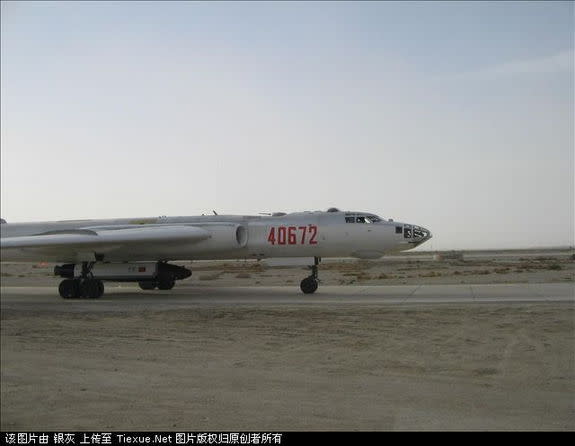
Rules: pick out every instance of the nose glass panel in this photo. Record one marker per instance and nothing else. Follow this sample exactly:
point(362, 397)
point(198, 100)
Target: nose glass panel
point(416, 233)
point(421, 233)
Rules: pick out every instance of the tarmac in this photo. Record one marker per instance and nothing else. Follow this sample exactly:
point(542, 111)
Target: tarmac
point(129, 297)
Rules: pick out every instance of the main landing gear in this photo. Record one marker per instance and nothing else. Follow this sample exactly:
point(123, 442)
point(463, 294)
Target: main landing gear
point(163, 283)
point(84, 287)
point(309, 284)
point(87, 282)
point(166, 277)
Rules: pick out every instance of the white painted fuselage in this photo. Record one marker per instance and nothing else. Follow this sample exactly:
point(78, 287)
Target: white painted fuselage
point(302, 234)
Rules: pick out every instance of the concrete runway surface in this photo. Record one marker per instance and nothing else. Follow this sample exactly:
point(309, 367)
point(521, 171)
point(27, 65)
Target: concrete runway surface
point(130, 297)
point(412, 357)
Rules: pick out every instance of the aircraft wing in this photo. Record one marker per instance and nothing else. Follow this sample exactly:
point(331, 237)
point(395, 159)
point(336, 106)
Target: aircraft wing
point(104, 239)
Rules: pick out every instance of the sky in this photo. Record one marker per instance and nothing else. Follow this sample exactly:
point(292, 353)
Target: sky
point(456, 116)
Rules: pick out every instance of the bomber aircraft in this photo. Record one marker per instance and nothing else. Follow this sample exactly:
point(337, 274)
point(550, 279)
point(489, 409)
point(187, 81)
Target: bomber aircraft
point(139, 249)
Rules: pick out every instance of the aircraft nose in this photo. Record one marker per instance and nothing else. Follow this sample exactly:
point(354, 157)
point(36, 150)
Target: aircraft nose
point(421, 234)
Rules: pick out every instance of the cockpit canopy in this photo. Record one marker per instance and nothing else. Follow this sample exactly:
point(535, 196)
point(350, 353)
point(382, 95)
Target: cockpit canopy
point(361, 218)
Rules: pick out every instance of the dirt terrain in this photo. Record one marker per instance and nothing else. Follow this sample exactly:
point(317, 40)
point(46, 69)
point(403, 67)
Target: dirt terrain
point(297, 367)
point(529, 266)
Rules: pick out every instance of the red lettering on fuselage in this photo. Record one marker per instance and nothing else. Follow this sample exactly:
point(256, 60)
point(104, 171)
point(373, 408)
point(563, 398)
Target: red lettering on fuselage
point(288, 235)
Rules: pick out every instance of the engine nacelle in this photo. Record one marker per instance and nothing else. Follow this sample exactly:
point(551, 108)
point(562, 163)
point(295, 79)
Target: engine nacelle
point(126, 272)
point(224, 237)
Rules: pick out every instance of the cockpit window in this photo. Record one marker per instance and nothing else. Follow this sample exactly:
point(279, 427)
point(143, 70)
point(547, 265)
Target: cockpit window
point(351, 218)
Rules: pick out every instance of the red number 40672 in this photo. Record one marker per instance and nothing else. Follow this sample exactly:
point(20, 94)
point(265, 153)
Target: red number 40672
point(293, 235)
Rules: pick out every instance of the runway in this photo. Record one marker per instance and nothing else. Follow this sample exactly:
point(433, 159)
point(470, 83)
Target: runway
point(131, 298)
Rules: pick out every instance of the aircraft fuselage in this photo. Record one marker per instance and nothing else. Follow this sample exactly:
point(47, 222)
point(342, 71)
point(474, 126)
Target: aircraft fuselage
point(301, 234)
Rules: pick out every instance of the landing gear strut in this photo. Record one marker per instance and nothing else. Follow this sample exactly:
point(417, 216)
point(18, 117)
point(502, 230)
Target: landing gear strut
point(86, 286)
point(309, 284)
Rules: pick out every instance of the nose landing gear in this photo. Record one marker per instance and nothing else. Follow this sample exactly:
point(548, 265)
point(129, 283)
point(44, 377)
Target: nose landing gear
point(309, 284)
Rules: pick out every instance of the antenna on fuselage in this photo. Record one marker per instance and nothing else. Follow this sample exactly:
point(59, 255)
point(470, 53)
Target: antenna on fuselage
point(215, 213)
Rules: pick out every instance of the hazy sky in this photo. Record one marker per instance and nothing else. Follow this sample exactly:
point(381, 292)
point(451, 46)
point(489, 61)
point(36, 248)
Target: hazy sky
point(457, 116)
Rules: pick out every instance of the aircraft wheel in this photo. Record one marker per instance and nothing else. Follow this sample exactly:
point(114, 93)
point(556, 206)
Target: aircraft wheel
point(92, 288)
point(101, 287)
point(147, 285)
point(69, 289)
point(309, 285)
point(166, 284)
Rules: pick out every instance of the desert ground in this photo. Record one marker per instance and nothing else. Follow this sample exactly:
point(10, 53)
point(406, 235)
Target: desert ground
point(302, 366)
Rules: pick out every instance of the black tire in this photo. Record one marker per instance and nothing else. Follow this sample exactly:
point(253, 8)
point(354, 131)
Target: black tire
point(309, 285)
point(101, 288)
point(150, 285)
point(92, 288)
point(166, 284)
point(69, 289)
